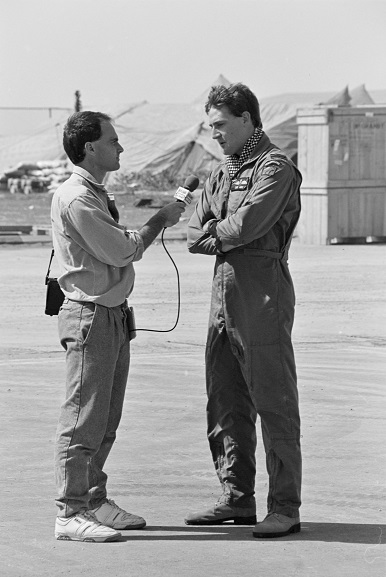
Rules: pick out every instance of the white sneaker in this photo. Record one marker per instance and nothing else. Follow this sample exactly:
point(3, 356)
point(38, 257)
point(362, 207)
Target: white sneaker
point(113, 516)
point(84, 526)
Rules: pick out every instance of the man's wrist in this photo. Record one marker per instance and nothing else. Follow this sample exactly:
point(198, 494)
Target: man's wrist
point(152, 228)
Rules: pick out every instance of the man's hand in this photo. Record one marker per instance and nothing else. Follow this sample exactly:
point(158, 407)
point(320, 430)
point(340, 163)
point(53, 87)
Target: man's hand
point(167, 216)
point(172, 213)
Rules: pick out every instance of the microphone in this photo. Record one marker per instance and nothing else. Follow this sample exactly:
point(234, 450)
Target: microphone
point(184, 193)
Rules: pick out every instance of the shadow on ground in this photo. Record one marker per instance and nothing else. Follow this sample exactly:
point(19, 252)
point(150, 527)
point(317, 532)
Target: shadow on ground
point(370, 534)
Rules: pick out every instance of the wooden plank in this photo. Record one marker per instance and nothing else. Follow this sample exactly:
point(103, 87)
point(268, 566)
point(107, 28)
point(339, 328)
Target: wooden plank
point(18, 228)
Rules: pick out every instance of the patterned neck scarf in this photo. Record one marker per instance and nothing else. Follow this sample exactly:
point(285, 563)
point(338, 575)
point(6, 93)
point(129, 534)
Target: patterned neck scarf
point(234, 162)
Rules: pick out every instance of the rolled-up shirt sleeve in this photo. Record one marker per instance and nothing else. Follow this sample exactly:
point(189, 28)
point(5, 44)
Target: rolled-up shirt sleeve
point(97, 233)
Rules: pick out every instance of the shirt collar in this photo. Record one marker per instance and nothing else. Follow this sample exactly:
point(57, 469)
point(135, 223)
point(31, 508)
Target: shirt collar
point(89, 177)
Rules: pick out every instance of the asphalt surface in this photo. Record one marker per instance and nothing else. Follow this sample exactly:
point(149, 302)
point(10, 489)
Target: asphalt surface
point(160, 467)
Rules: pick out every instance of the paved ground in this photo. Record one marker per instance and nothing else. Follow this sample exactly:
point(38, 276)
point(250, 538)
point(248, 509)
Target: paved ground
point(160, 467)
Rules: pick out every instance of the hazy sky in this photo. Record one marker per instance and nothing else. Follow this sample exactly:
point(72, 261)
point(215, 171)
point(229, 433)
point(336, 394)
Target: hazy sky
point(126, 51)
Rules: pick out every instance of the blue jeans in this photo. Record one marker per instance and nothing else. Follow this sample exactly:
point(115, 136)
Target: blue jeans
point(97, 347)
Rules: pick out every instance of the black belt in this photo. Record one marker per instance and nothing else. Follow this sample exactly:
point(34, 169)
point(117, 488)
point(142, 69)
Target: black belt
point(124, 305)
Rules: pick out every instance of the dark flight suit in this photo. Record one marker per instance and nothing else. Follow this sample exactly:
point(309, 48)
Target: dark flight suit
point(250, 364)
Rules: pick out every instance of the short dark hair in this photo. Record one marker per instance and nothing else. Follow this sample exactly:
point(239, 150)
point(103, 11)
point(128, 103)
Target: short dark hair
point(238, 98)
point(82, 127)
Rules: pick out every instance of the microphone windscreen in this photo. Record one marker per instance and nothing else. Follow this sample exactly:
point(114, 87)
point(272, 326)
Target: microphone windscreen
point(191, 183)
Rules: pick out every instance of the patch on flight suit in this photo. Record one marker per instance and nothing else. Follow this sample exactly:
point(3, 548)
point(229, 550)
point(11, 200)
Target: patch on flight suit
point(271, 167)
point(240, 183)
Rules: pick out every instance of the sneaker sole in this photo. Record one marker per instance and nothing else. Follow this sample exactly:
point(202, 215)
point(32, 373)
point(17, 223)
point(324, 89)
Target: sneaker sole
point(129, 527)
point(61, 537)
point(236, 520)
point(294, 529)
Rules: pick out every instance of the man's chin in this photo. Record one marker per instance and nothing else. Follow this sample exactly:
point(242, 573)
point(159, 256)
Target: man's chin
point(116, 167)
point(228, 151)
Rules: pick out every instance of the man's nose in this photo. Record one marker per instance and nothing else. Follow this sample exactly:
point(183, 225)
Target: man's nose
point(215, 133)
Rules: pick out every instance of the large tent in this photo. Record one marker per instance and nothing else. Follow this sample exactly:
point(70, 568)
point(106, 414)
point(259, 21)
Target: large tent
point(164, 143)
point(175, 140)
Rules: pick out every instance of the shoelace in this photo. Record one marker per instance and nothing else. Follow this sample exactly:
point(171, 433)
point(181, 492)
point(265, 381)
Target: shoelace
point(113, 504)
point(90, 516)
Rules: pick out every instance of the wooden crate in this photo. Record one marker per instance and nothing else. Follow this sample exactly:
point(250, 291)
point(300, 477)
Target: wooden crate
point(342, 157)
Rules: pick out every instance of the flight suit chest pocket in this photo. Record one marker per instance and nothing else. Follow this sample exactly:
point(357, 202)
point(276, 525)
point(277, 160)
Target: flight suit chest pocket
point(238, 192)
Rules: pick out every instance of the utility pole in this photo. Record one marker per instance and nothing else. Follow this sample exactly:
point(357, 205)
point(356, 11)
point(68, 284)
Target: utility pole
point(78, 104)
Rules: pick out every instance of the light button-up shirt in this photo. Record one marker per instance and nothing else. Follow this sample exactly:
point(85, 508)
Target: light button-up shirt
point(95, 253)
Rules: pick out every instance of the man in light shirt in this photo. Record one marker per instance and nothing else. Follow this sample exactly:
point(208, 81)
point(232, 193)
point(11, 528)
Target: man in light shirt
point(95, 255)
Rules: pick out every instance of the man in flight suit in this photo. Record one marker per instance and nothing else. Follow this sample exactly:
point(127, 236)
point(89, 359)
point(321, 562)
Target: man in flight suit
point(245, 217)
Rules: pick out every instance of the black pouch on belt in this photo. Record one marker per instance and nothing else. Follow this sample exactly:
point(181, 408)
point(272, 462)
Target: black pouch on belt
point(54, 294)
point(130, 320)
point(54, 297)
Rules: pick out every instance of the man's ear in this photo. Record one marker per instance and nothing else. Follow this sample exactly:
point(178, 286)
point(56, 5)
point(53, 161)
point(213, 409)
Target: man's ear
point(246, 116)
point(89, 147)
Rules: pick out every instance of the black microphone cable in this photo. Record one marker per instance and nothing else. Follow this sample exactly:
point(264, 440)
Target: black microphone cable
point(178, 294)
point(183, 194)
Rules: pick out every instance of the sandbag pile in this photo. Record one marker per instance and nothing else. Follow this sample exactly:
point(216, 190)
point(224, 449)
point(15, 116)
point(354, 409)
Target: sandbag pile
point(42, 176)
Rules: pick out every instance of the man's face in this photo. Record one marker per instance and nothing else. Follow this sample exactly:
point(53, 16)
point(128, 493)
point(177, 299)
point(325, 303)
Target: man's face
point(107, 149)
point(231, 132)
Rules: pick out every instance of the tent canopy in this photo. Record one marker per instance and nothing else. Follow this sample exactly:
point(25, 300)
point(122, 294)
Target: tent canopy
point(173, 140)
